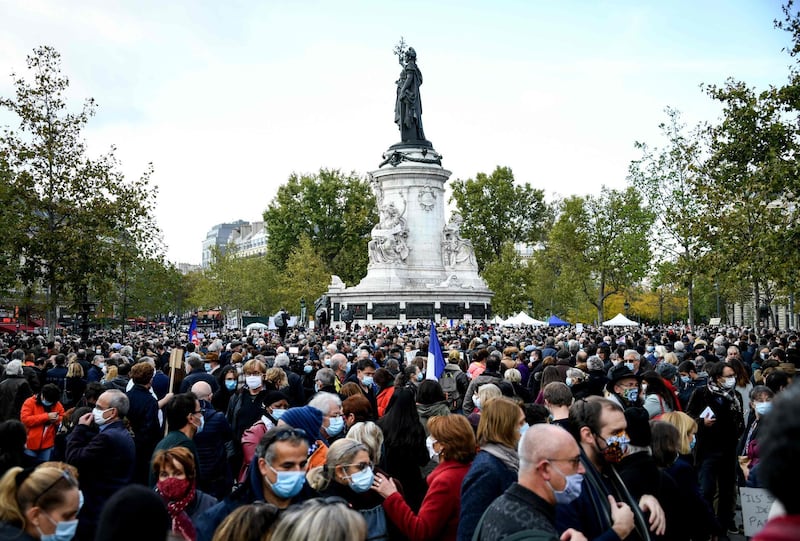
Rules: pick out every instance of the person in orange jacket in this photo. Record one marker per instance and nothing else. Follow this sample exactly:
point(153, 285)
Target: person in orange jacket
point(41, 414)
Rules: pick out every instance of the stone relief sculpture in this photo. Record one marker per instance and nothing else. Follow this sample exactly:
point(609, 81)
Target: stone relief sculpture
point(389, 242)
point(456, 250)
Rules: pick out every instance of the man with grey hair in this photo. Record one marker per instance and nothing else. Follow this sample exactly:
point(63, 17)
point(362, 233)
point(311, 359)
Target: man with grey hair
point(331, 407)
point(634, 361)
point(14, 390)
point(295, 391)
point(105, 459)
point(339, 367)
point(325, 381)
point(550, 473)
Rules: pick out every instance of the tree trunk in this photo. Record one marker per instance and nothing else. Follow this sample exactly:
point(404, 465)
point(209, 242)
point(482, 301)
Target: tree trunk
point(690, 299)
point(601, 299)
point(756, 303)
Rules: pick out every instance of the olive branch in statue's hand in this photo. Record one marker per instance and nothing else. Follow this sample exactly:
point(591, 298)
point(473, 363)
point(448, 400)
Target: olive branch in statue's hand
point(400, 50)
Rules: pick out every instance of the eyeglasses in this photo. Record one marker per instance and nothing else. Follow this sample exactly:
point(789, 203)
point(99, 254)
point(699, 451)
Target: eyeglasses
point(574, 461)
point(65, 474)
point(361, 466)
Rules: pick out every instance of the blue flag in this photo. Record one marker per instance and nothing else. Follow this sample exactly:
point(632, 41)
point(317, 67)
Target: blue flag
point(435, 358)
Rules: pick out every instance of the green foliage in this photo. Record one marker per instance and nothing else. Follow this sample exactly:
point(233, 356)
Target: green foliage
point(496, 211)
point(233, 283)
point(73, 212)
point(509, 277)
point(151, 287)
point(304, 277)
point(336, 212)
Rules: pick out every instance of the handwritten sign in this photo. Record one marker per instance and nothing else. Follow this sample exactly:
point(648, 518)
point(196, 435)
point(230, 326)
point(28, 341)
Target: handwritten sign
point(756, 503)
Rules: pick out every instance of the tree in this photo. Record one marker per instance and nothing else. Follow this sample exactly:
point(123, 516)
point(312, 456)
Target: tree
point(599, 244)
point(304, 277)
point(509, 278)
point(336, 213)
point(751, 167)
point(667, 179)
point(496, 211)
point(74, 210)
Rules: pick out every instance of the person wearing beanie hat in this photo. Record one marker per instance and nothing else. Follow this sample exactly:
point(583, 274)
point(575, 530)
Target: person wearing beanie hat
point(308, 419)
point(641, 474)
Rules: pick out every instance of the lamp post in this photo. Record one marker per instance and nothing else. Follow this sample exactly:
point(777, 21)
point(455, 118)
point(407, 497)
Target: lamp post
point(626, 306)
point(302, 311)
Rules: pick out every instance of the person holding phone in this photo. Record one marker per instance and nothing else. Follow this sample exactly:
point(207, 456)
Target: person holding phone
point(717, 408)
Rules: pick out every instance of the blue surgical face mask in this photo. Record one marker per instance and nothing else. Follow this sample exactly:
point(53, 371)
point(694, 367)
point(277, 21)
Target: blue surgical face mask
point(288, 484)
point(572, 490)
point(568, 381)
point(362, 481)
point(367, 381)
point(277, 413)
point(65, 530)
point(762, 408)
point(693, 442)
point(202, 424)
point(524, 428)
point(420, 376)
point(335, 427)
point(629, 366)
point(230, 384)
point(207, 366)
point(686, 379)
point(308, 369)
point(651, 349)
point(327, 362)
point(476, 401)
point(46, 403)
point(347, 367)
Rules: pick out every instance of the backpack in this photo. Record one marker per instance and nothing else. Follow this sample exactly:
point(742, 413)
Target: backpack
point(279, 319)
point(449, 383)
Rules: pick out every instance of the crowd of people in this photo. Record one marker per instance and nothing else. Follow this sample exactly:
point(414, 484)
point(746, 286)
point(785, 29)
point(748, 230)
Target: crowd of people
point(525, 433)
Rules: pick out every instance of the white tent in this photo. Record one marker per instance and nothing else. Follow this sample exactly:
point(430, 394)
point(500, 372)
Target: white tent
point(497, 320)
point(620, 321)
point(255, 327)
point(524, 319)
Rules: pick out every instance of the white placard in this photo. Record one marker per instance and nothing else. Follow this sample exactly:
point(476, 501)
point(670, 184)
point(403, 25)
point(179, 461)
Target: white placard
point(756, 503)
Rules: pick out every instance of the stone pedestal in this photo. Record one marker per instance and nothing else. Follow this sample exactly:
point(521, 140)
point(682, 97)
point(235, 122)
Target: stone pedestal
point(420, 267)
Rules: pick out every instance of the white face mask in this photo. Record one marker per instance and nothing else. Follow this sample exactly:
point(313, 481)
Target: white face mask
point(730, 382)
point(253, 382)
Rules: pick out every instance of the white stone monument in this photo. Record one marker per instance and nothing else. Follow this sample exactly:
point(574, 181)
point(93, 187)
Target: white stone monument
point(419, 266)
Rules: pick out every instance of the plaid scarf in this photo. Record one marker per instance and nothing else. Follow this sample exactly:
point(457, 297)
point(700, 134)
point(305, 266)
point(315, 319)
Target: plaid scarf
point(727, 394)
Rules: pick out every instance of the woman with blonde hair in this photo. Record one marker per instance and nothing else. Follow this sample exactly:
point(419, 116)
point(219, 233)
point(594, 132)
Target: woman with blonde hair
point(348, 474)
point(276, 378)
point(496, 465)
point(370, 435)
point(486, 392)
point(454, 445)
point(41, 503)
point(320, 520)
point(247, 523)
point(687, 428)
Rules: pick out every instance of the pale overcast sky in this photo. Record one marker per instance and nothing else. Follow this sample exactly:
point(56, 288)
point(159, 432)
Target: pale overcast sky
point(228, 98)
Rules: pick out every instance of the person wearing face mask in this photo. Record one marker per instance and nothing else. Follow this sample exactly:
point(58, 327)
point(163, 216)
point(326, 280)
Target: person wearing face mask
point(214, 474)
point(717, 408)
point(102, 449)
point(41, 414)
point(623, 387)
point(348, 473)
point(184, 420)
point(550, 473)
point(453, 446)
point(605, 508)
point(275, 405)
point(39, 504)
point(277, 475)
point(177, 485)
point(364, 377)
point(246, 406)
point(747, 449)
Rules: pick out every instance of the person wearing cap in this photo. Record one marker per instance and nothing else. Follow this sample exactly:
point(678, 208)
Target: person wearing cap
point(277, 476)
point(641, 474)
point(623, 387)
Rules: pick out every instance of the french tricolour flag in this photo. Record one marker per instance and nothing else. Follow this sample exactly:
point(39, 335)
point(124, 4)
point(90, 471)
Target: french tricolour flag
point(193, 338)
point(435, 357)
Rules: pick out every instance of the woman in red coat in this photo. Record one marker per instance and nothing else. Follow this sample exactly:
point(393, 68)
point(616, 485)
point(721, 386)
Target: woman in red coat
point(454, 443)
point(41, 414)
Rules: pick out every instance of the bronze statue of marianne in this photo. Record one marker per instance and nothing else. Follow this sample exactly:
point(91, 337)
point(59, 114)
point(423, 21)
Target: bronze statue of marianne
point(408, 107)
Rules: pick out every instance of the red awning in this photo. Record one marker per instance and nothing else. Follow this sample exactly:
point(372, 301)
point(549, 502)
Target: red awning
point(12, 327)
